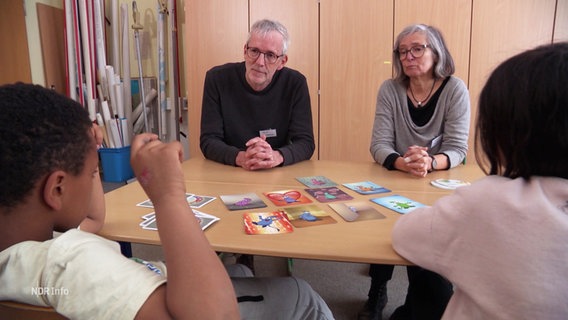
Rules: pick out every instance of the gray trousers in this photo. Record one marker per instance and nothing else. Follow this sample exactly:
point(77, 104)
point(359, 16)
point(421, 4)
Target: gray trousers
point(276, 298)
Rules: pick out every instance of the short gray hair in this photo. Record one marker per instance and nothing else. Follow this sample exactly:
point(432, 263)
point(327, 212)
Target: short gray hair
point(263, 27)
point(443, 64)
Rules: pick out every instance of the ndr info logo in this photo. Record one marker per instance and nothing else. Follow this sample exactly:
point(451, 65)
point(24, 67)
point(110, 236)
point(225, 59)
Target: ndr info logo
point(49, 291)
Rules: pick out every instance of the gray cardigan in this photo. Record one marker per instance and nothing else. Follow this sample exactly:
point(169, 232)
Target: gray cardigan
point(394, 131)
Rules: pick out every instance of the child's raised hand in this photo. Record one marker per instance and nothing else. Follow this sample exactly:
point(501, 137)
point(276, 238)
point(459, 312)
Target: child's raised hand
point(157, 166)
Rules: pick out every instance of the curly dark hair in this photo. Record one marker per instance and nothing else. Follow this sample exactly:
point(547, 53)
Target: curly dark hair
point(522, 123)
point(41, 131)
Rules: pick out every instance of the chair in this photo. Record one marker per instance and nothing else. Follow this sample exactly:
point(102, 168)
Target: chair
point(16, 310)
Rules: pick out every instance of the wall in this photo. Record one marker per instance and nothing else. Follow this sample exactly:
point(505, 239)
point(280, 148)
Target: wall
point(34, 41)
point(354, 46)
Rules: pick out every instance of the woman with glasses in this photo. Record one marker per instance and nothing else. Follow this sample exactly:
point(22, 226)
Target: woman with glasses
point(421, 125)
point(256, 114)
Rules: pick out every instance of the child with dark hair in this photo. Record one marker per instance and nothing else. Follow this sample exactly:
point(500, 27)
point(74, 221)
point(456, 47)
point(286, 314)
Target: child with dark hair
point(503, 240)
point(50, 182)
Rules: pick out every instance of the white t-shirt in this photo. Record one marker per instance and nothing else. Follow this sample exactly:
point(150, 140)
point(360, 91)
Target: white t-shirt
point(79, 274)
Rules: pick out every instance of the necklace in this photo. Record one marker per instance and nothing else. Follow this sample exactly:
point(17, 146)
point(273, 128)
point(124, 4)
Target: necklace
point(425, 99)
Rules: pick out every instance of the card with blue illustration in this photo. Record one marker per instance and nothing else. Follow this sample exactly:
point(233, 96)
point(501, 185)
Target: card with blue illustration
point(308, 216)
point(366, 187)
point(329, 194)
point(398, 203)
point(316, 182)
point(266, 223)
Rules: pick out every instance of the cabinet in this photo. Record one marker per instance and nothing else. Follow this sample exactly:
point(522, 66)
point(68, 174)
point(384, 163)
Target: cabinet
point(344, 48)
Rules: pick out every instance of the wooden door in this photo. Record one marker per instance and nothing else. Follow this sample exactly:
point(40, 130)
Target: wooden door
point(301, 19)
point(215, 33)
point(14, 54)
point(561, 21)
point(355, 57)
point(501, 29)
point(451, 17)
point(51, 23)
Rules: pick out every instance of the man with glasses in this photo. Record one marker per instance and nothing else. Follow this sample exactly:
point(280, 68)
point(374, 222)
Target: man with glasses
point(256, 114)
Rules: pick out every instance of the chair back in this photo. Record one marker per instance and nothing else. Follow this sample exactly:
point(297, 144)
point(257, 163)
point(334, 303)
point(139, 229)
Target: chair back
point(16, 310)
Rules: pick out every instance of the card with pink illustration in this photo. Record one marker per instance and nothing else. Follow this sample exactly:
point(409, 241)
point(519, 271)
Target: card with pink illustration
point(242, 201)
point(287, 197)
point(329, 194)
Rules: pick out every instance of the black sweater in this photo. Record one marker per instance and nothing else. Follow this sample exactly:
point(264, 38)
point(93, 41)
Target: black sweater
point(233, 113)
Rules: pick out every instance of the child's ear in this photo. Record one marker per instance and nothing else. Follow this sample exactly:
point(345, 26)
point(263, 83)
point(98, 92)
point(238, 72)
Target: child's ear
point(54, 188)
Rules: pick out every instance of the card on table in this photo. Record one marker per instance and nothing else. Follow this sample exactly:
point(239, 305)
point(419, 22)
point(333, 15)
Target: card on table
point(148, 203)
point(398, 203)
point(366, 187)
point(308, 216)
point(329, 194)
point(242, 201)
point(287, 197)
point(356, 211)
point(197, 201)
point(449, 184)
point(205, 220)
point(316, 182)
point(266, 223)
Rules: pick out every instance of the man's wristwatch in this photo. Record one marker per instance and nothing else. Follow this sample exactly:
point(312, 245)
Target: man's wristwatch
point(434, 163)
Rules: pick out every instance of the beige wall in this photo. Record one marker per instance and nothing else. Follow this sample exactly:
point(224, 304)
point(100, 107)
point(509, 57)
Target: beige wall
point(342, 46)
point(354, 47)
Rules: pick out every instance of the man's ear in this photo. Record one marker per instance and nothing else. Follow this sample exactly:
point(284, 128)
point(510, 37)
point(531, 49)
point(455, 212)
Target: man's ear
point(283, 63)
point(54, 188)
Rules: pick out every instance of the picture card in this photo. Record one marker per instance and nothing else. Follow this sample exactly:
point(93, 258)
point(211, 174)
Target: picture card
point(308, 216)
point(242, 201)
point(148, 203)
point(287, 197)
point(449, 184)
point(205, 220)
point(197, 201)
point(366, 187)
point(398, 203)
point(356, 211)
point(266, 223)
point(316, 182)
point(329, 194)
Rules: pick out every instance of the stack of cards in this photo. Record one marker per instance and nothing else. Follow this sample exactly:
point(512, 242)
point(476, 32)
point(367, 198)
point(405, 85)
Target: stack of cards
point(205, 220)
point(193, 200)
point(449, 184)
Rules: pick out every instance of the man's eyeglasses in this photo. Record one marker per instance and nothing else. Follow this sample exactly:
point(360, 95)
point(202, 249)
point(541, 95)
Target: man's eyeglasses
point(416, 51)
point(269, 57)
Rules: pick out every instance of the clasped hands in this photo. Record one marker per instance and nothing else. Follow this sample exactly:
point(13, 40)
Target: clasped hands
point(258, 155)
point(416, 161)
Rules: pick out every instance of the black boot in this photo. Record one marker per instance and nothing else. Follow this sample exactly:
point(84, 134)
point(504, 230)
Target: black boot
point(373, 308)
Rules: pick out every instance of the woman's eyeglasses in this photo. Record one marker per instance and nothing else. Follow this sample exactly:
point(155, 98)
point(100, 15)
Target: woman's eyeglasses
point(416, 51)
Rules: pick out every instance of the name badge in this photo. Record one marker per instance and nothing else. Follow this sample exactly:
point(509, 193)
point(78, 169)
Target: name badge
point(269, 133)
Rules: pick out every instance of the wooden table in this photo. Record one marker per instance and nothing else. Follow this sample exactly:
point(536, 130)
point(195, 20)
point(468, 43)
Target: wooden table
point(366, 241)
